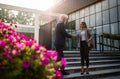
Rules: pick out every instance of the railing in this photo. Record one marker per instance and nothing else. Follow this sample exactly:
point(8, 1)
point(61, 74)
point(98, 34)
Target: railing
point(103, 42)
point(109, 40)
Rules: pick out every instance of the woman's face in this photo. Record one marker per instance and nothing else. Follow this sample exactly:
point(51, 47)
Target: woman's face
point(82, 26)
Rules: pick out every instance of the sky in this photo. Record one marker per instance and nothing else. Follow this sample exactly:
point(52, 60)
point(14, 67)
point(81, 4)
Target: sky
point(32, 4)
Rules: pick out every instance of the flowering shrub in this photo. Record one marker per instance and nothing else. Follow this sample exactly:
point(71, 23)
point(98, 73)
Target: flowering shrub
point(22, 58)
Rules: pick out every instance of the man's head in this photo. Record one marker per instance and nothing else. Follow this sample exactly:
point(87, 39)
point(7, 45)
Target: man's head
point(63, 18)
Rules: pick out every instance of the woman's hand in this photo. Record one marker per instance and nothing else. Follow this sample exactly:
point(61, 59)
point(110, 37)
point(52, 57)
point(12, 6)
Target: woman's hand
point(73, 36)
point(88, 40)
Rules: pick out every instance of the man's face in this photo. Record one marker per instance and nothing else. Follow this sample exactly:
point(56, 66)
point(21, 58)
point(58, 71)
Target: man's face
point(65, 20)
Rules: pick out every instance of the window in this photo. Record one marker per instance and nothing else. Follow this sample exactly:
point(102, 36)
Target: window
point(70, 18)
point(87, 11)
point(106, 17)
point(114, 28)
point(98, 19)
point(99, 30)
point(87, 21)
point(112, 3)
point(92, 20)
point(113, 15)
point(116, 43)
point(119, 12)
point(77, 24)
point(105, 5)
point(92, 9)
point(73, 16)
point(82, 13)
point(118, 2)
point(72, 25)
point(98, 7)
point(77, 15)
point(82, 19)
point(119, 27)
point(106, 28)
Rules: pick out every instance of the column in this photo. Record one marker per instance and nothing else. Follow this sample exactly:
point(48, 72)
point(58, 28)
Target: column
point(36, 28)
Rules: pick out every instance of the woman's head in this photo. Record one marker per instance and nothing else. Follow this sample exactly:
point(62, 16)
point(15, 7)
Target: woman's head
point(83, 25)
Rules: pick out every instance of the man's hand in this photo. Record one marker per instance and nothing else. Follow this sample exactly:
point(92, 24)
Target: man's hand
point(73, 36)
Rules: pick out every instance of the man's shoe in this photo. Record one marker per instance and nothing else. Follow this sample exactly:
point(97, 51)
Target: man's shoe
point(65, 73)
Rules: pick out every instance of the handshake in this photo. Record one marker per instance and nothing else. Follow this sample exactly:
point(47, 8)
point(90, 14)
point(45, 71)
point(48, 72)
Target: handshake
point(73, 36)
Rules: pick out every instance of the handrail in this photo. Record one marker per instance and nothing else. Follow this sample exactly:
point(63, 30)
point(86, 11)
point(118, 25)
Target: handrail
point(112, 37)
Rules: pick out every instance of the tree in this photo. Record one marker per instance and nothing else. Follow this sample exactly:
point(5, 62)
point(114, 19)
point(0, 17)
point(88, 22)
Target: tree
point(10, 16)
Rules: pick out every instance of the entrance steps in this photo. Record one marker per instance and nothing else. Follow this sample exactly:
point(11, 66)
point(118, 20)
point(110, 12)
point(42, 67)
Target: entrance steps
point(102, 65)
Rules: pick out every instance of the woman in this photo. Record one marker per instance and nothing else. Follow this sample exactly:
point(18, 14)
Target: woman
point(85, 37)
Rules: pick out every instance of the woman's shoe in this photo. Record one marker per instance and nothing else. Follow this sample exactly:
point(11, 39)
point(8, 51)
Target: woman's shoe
point(82, 70)
point(87, 71)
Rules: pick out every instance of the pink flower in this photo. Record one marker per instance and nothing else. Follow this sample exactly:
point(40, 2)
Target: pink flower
point(29, 43)
point(34, 57)
point(49, 53)
point(10, 59)
point(6, 54)
point(37, 47)
point(52, 55)
point(20, 45)
point(2, 43)
point(26, 65)
point(12, 39)
point(14, 51)
point(58, 74)
point(45, 61)
point(64, 62)
point(55, 56)
point(22, 36)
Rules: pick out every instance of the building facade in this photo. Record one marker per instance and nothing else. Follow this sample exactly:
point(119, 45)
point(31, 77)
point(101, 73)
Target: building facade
point(101, 16)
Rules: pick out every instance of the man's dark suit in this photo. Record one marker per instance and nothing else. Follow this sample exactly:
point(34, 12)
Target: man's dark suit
point(60, 35)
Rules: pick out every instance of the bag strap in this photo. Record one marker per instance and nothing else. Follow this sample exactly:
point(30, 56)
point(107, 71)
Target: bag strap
point(88, 33)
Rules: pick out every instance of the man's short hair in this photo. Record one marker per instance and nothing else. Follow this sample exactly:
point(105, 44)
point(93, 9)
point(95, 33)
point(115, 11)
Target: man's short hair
point(63, 16)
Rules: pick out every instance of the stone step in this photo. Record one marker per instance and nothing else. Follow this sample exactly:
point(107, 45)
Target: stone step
point(93, 62)
point(93, 67)
point(78, 53)
point(92, 52)
point(101, 64)
point(111, 77)
point(93, 74)
point(91, 58)
point(91, 55)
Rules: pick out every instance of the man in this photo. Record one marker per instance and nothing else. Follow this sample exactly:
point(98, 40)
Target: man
point(60, 35)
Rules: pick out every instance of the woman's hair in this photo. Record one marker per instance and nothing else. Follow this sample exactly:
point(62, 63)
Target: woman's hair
point(83, 23)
